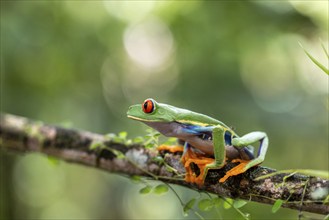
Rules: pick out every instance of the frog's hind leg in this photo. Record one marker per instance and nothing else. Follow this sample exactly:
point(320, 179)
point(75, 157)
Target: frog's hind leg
point(243, 142)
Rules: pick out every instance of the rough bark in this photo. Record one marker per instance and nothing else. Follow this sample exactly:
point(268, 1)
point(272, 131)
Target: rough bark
point(19, 135)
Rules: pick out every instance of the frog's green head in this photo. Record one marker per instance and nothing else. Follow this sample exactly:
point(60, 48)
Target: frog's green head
point(151, 111)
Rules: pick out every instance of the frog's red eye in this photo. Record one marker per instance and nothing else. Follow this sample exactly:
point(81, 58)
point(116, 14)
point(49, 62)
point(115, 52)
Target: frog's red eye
point(148, 106)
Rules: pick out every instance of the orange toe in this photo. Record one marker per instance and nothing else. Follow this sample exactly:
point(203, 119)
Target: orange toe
point(239, 161)
point(172, 149)
point(241, 168)
point(199, 162)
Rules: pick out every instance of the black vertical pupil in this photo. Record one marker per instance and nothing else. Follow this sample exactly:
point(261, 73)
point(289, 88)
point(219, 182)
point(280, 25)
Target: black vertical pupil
point(145, 105)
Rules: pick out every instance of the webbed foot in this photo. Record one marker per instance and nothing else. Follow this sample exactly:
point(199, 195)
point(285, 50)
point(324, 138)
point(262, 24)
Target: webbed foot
point(192, 175)
point(241, 168)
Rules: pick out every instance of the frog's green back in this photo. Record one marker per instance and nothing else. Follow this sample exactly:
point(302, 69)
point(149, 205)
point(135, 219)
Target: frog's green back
point(190, 117)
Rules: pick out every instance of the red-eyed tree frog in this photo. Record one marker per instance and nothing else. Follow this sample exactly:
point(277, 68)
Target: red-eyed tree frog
point(208, 143)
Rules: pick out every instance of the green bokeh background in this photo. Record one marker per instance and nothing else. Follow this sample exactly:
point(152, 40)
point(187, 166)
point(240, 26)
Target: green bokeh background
point(82, 63)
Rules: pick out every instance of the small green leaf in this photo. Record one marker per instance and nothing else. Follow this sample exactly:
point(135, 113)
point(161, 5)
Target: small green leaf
point(189, 205)
point(145, 190)
point(326, 200)
point(136, 179)
point(138, 140)
point(123, 134)
point(287, 176)
point(239, 203)
point(148, 137)
point(95, 145)
point(150, 145)
point(205, 205)
point(277, 205)
point(117, 153)
point(157, 134)
point(227, 203)
point(158, 159)
point(171, 169)
point(170, 141)
point(152, 133)
point(109, 136)
point(53, 160)
point(160, 189)
point(217, 202)
point(117, 139)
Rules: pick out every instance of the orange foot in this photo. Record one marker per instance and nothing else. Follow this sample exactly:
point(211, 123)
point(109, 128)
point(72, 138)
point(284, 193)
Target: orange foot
point(172, 149)
point(201, 162)
point(241, 168)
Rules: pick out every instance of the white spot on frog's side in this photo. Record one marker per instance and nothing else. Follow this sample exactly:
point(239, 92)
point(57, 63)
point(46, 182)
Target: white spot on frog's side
point(137, 156)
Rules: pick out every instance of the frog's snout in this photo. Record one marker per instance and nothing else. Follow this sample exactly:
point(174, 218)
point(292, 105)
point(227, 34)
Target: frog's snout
point(129, 109)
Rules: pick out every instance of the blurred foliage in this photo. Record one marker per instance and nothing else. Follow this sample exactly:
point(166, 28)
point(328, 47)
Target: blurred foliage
point(82, 63)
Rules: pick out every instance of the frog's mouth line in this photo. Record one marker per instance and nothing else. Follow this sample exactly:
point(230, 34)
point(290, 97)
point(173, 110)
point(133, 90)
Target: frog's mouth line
point(138, 119)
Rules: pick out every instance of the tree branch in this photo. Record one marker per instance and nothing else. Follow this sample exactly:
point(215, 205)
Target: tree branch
point(18, 134)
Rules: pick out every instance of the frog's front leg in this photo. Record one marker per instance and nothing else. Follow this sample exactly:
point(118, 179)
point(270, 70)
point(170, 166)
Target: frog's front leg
point(244, 141)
